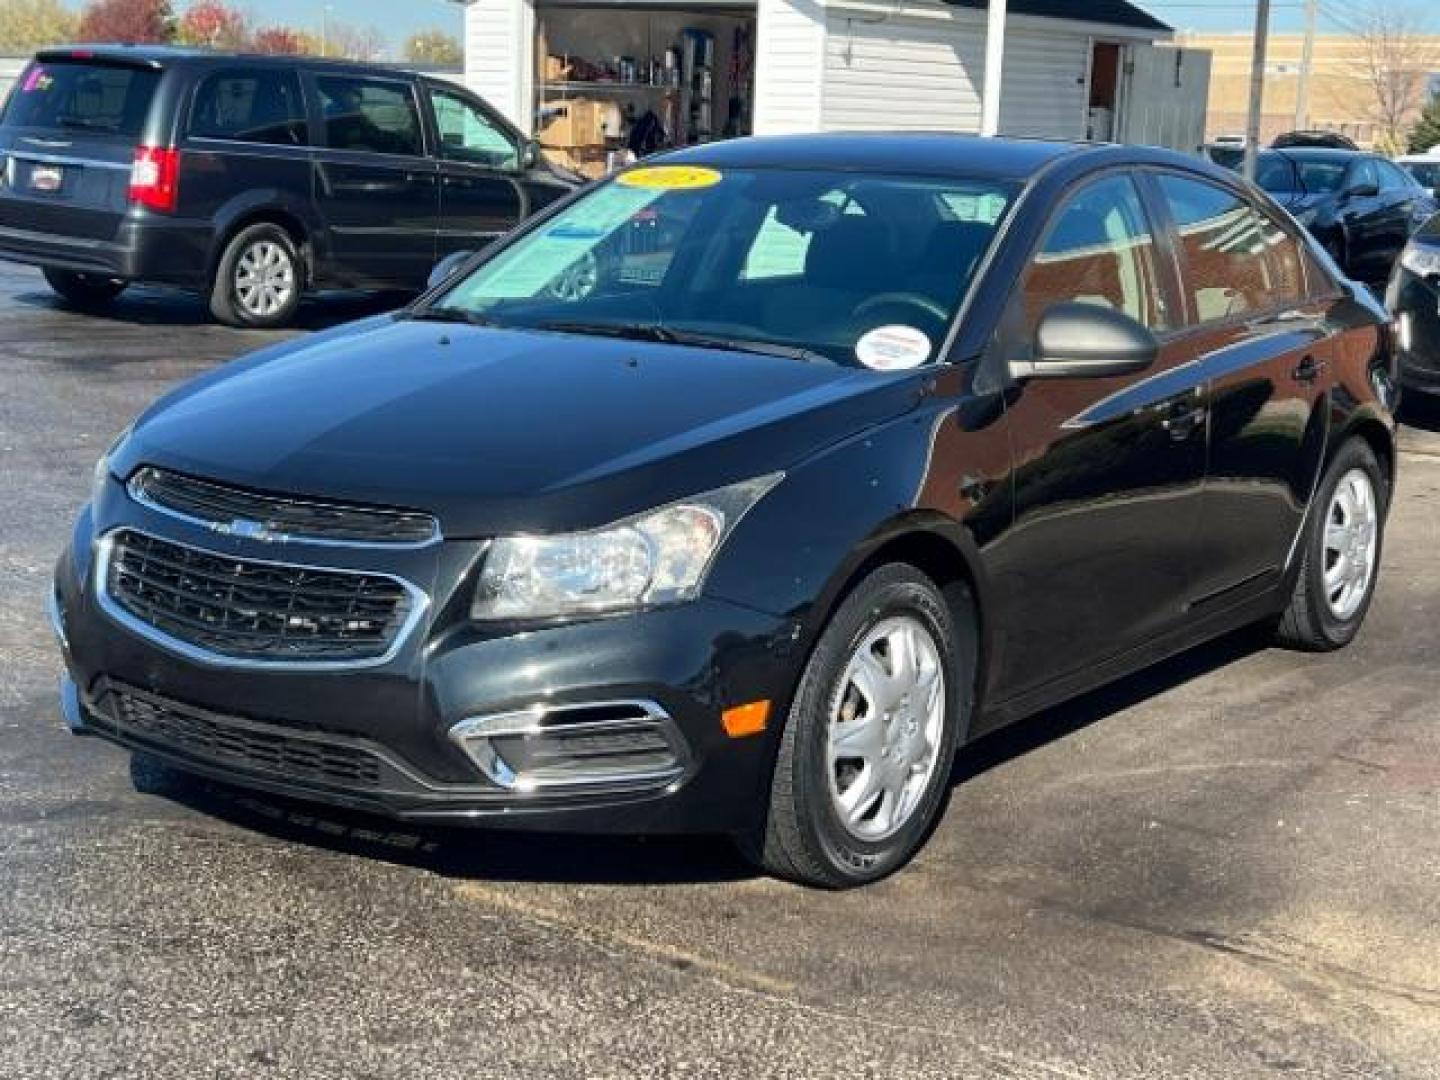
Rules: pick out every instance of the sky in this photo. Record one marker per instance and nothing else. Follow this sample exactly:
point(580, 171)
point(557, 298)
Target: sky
point(396, 19)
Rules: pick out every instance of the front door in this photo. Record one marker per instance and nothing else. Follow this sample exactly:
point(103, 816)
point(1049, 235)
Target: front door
point(1265, 347)
point(375, 187)
point(1108, 471)
point(480, 166)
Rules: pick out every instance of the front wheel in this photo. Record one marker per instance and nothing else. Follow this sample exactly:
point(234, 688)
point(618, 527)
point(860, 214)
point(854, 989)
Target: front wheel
point(1340, 560)
point(259, 280)
point(864, 763)
point(83, 290)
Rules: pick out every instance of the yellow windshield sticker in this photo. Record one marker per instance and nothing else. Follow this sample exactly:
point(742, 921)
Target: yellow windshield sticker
point(670, 177)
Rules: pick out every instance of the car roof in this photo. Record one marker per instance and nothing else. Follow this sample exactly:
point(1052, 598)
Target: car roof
point(160, 56)
point(927, 153)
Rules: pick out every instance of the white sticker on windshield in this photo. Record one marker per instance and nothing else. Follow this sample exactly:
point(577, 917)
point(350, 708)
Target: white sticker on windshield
point(893, 348)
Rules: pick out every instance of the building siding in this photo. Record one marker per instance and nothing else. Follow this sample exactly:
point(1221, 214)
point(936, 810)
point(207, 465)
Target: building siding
point(499, 65)
point(789, 66)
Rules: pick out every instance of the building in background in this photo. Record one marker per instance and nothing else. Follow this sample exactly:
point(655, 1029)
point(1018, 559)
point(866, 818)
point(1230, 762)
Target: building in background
point(1342, 98)
point(581, 73)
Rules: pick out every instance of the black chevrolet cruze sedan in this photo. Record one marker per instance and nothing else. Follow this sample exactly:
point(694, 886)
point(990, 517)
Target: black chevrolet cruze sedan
point(736, 493)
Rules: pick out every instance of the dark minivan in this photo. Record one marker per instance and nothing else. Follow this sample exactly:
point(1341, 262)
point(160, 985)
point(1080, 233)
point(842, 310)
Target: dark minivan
point(251, 179)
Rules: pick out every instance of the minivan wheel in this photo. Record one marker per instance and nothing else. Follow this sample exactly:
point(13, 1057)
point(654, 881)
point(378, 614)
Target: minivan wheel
point(259, 280)
point(864, 763)
point(83, 290)
point(1341, 554)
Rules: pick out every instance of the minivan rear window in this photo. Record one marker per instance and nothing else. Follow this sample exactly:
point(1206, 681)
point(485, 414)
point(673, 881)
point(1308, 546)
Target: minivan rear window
point(82, 96)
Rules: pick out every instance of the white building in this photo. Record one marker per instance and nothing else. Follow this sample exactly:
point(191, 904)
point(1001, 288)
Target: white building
point(1072, 68)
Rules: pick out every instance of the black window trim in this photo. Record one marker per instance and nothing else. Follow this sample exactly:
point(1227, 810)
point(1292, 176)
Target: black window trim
point(204, 75)
point(313, 76)
point(1259, 315)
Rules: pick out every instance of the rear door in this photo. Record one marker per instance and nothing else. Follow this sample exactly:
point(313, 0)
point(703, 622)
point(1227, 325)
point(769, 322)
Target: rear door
point(481, 197)
point(67, 144)
point(376, 188)
point(1264, 346)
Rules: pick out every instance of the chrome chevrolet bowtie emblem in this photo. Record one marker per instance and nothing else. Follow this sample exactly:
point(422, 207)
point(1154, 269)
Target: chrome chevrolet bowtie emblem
point(245, 529)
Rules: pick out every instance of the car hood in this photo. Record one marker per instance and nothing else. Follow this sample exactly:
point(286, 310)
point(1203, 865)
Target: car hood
point(499, 430)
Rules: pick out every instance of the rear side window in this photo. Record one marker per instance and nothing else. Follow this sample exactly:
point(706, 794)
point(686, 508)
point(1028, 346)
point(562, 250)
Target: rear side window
point(375, 115)
point(1237, 260)
point(256, 106)
point(103, 98)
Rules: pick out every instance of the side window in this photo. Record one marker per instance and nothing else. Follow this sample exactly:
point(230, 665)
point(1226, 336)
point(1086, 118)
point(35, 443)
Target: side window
point(1099, 250)
point(467, 134)
point(377, 115)
point(1364, 173)
point(1236, 260)
point(259, 106)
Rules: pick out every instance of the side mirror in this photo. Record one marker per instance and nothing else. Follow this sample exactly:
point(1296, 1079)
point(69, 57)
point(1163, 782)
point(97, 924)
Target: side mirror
point(529, 154)
point(1084, 340)
point(1361, 191)
point(445, 269)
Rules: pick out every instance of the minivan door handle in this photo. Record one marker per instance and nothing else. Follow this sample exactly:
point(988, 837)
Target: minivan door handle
point(1308, 370)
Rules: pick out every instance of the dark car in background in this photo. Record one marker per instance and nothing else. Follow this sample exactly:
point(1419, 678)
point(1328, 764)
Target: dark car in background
point(1332, 140)
point(1413, 295)
point(1360, 206)
point(251, 179)
point(841, 451)
point(1425, 168)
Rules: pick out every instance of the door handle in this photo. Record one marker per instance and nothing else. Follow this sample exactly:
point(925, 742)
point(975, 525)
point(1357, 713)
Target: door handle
point(1308, 370)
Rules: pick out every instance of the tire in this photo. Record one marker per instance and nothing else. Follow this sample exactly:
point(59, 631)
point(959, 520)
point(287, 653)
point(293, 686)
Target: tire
point(83, 290)
point(807, 836)
point(259, 279)
point(1322, 615)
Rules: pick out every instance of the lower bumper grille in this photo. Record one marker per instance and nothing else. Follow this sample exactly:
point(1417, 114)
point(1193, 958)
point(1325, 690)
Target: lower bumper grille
point(235, 743)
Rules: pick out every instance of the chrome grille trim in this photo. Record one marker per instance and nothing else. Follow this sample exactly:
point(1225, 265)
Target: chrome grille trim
point(252, 506)
point(419, 604)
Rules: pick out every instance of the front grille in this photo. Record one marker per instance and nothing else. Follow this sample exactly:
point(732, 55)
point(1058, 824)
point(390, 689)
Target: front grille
point(221, 506)
point(250, 610)
point(229, 741)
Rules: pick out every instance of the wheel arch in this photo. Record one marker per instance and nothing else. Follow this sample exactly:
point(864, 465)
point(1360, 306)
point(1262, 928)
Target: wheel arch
point(253, 211)
point(1377, 434)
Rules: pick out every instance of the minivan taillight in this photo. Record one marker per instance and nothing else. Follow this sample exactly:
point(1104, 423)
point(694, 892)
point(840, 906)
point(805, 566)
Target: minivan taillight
point(155, 178)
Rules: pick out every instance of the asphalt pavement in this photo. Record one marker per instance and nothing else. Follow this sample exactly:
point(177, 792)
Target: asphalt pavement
point(1226, 867)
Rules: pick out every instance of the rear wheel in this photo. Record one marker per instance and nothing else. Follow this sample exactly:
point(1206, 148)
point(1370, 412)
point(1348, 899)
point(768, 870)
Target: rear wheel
point(259, 280)
point(1341, 555)
point(84, 290)
point(864, 763)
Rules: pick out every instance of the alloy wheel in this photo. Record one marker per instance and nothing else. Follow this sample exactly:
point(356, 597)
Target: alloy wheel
point(264, 279)
point(885, 728)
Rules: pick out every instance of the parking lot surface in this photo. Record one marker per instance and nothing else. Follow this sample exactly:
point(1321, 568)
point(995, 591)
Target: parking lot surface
point(1227, 867)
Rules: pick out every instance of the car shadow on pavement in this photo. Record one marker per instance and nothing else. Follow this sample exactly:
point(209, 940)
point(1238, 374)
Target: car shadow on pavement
point(451, 851)
point(500, 855)
point(169, 307)
point(1062, 720)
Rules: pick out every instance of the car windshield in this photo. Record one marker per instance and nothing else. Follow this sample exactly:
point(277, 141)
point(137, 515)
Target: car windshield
point(811, 264)
point(66, 96)
point(1291, 173)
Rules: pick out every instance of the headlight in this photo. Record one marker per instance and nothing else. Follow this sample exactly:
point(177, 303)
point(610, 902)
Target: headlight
point(658, 557)
point(102, 466)
point(1421, 259)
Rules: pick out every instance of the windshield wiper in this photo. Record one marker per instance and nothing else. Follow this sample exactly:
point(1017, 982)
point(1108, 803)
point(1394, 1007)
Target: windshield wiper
point(665, 335)
point(447, 314)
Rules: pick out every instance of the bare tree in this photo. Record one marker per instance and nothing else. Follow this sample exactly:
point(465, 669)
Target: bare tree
point(1394, 58)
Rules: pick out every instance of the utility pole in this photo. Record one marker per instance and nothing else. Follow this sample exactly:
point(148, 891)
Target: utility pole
point(994, 68)
point(1257, 86)
point(1307, 64)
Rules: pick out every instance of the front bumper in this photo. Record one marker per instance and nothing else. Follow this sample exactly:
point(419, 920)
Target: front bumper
point(381, 738)
point(1415, 304)
point(163, 251)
